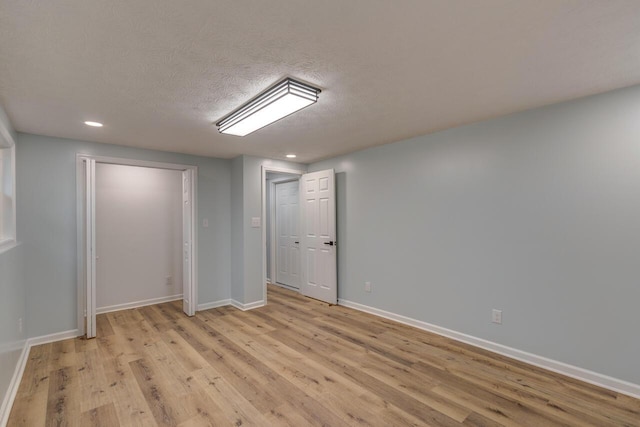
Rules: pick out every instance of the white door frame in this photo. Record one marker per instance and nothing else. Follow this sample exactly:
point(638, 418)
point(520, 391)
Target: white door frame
point(271, 203)
point(86, 212)
point(265, 169)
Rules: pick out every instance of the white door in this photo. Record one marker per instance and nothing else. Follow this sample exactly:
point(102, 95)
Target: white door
point(188, 223)
point(318, 200)
point(287, 234)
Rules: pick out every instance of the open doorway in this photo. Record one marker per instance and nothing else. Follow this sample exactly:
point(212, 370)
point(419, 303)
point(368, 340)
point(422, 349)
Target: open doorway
point(102, 197)
point(283, 230)
point(271, 176)
point(138, 236)
point(305, 241)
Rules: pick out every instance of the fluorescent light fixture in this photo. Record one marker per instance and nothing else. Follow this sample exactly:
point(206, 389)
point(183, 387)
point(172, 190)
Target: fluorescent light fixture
point(94, 124)
point(282, 99)
point(291, 156)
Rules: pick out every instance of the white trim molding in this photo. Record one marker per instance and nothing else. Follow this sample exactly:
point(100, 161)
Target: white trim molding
point(136, 304)
point(59, 336)
point(214, 304)
point(8, 228)
point(6, 137)
point(231, 302)
point(12, 390)
point(8, 244)
point(85, 225)
point(247, 306)
point(613, 384)
point(263, 188)
point(283, 286)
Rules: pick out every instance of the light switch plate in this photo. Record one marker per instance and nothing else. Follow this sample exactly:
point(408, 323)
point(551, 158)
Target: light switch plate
point(255, 222)
point(496, 316)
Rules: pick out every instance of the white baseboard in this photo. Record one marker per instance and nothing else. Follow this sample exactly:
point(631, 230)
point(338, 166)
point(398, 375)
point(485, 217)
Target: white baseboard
point(248, 306)
point(59, 336)
point(283, 286)
point(12, 390)
point(136, 304)
point(7, 404)
point(614, 384)
point(231, 302)
point(214, 304)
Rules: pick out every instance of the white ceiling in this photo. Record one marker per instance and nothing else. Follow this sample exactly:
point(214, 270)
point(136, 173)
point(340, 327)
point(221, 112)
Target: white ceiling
point(158, 73)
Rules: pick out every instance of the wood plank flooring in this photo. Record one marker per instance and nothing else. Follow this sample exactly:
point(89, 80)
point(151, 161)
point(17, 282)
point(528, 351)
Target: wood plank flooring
point(295, 362)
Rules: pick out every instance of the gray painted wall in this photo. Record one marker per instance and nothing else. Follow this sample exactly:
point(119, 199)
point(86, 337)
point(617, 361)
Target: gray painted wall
point(46, 176)
point(138, 234)
point(536, 214)
point(253, 249)
point(12, 300)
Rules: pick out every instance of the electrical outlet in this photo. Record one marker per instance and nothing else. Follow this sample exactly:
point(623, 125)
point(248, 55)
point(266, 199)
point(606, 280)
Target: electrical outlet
point(205, 223)
point(169, 281)
point(367, 286)
point(496, 316)
point(20, 325)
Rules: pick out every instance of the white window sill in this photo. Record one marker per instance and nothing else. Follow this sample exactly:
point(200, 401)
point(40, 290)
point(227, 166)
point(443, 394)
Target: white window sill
point(8, 244)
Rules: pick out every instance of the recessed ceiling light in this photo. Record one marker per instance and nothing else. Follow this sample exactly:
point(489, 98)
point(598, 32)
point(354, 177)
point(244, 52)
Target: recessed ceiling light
point(282, 99)
point(94, 124)
point(291, 156)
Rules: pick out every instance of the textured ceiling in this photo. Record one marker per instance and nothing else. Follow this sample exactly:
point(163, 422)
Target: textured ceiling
point(158, 73)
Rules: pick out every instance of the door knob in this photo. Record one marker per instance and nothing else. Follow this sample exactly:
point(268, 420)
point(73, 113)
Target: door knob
point(330, 243)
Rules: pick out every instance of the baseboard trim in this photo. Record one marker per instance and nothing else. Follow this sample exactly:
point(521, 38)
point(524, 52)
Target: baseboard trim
point(136, 304)
point(601, 380)
point(233, 303)
point(214, 304)
point(283, 286)
point(12, 390)
point(248, 306)
point(59, 336)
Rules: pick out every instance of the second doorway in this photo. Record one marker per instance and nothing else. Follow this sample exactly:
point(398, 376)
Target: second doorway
point(283, 230)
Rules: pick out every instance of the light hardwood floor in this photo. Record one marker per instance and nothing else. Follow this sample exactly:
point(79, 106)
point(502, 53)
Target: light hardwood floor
point(295, 362)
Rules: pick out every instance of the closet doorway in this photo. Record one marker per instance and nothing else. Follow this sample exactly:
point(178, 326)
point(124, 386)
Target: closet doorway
point(136, 236)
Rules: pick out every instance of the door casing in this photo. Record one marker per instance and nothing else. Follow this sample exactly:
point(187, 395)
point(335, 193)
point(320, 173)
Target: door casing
point(85, 222)
point(275, 218)
point(296, 173)
point(270, 205)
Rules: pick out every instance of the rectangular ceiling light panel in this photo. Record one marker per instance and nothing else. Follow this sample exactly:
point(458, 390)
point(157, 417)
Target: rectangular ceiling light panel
point(279, 101)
